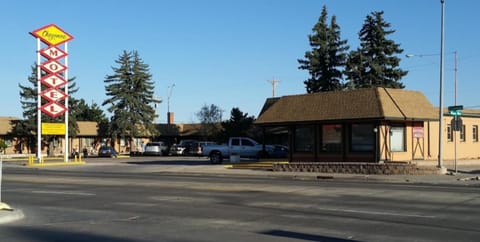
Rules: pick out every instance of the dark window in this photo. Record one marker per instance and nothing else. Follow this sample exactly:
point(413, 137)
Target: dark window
point(304, 138)
point(462, 134)
point(236, 142)
point(247, 142)
point(332, 138)
point(362, 138)
point(475, 133)
point(449, 133)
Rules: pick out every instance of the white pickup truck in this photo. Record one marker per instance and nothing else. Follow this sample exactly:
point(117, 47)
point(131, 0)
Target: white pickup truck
point(241, 146)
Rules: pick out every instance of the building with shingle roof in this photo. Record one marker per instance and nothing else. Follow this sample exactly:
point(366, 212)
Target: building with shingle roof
point(365, 125)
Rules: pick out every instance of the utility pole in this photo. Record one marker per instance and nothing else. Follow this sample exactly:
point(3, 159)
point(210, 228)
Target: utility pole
point(456, 117)
point(440, 106)
point(274, 85)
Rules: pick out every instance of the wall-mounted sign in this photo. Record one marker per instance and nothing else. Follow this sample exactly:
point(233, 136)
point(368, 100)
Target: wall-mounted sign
point(418, 131)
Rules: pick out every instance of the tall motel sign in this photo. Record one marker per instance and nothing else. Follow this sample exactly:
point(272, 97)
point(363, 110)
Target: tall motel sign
point(52, 86)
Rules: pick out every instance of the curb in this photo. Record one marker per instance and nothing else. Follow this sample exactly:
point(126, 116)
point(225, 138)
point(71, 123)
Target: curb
point(10, 216)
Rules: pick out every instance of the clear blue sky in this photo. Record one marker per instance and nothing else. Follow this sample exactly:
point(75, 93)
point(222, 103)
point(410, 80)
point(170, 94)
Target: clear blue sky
point(223, 52)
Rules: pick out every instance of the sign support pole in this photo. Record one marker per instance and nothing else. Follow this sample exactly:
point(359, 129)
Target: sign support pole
point(52, 36)
point(66, 105)
point(39, 104)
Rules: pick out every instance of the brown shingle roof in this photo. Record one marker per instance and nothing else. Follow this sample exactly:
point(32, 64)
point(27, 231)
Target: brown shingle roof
point(368, 103)
point(5, 125)
point(87, 128)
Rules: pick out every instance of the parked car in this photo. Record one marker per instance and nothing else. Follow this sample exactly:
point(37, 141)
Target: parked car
point(155, 148)
point(196, 147)
point(107, 151)
point(279, 151)
point(183, 148)
point(240, 146)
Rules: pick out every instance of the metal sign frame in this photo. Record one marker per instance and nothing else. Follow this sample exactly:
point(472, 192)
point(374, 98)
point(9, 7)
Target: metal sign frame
point(53, 38)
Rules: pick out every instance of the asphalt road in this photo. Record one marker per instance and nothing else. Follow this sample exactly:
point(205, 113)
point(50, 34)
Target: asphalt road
point(78, 205)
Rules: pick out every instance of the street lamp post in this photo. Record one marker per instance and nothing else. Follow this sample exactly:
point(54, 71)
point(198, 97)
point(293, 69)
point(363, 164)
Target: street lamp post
point(168, 96)
point(440, 108)
point(442, 67)
point(455, 93)
point(169, 115)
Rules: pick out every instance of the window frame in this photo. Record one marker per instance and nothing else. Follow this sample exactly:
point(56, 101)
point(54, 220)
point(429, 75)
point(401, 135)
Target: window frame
point(369, 146)
point(309, 131)
point(463, 134)
point(449, 133)
point(334, 146)
point(403, 138)
point(475, 133)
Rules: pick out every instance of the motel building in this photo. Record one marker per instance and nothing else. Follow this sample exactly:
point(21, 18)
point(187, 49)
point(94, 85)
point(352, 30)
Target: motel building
point(367, 125)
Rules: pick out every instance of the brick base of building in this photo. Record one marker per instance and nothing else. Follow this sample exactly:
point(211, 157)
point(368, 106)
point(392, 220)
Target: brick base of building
point(357, 168)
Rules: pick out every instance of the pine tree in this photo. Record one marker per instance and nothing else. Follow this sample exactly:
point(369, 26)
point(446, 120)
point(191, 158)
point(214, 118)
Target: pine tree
point(87, 112)
point(326, 60)
point(130, 91)
point(375, 63)
point(239, 124)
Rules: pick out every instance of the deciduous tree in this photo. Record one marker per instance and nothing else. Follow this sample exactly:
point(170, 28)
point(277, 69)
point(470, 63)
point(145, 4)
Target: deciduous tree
point(210, 118)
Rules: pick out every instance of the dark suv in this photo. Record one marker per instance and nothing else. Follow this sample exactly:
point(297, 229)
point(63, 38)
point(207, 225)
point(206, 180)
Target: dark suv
point(183, 148)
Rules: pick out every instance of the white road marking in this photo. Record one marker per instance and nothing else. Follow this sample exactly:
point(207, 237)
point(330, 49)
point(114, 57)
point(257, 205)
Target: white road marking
point(367, 212)
point(65, 193)
point(377, 213)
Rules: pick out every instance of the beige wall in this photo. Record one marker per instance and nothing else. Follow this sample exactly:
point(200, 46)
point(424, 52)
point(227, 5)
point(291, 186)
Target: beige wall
point(468, 149)
point(426, 148)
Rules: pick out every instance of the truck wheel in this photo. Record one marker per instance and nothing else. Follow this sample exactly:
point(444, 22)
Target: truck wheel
point(216, 157)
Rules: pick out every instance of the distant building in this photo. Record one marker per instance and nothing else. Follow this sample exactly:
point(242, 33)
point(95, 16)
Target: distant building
point(88, 138)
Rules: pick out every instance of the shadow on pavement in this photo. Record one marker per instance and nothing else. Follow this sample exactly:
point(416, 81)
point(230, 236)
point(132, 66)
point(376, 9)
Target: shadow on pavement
point(44, 234)
point(473, 172)
point(170, 162)
point(303, 236)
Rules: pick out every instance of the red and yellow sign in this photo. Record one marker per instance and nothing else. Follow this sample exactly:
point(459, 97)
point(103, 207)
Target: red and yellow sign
point(52, 35)
point(53, 128)
point(53, 109)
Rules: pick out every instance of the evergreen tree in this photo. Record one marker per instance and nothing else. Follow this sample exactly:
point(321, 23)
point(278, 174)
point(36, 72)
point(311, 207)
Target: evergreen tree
point(130, 92)
point(326, 60)
point(90, 112)
point(239, 124)
point(375, 63)
point(27, 128)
